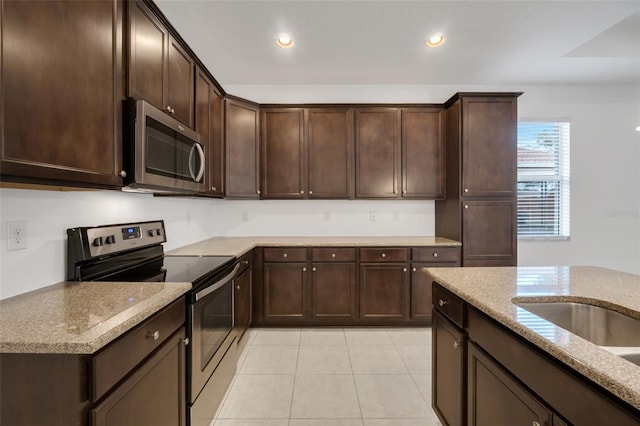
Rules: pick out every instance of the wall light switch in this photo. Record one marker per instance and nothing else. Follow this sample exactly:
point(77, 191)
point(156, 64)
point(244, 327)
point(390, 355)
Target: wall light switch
point(396, 216)
point(325, 216)
point(372, 216)
point(17, 235)
point(245, 216)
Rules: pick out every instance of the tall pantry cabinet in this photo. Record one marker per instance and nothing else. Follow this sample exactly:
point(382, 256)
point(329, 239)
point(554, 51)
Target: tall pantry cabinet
point(480, 208)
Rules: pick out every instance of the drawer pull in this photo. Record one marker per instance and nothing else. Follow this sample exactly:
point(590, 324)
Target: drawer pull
point(155, 335)
point(238, 287)
point(435, 254)
point(535, 423)
point(466, 206)
point(304, 269)
point(186, 341)
point(333, 255)
point(313, 269)
point(414, 269)
point(384, 255)
point(245, 262)
point(285, 255)
point(404, 269)
point(456, 345)
point(442, 302)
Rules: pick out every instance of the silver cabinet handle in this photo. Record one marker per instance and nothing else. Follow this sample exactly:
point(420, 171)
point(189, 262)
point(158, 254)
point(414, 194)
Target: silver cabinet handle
point(122, 173)
point(535, 423)
point(466, 206)
point(313, 269)
point(304, 269)
point(245, 262)
point(414, 269)
point(333, 255)
point(285, 255)
point(302, 192)
point(258, 192)
point(155, 335)
point(466, 190)
point(168, 108)
point(456, 345)
point(185, 341)
point(404, 192)
point(237, 287)
point(435, 254)
point(310, 192)
point(384, 255)
point(442, 302)
point(213, 188)
point(404, 269)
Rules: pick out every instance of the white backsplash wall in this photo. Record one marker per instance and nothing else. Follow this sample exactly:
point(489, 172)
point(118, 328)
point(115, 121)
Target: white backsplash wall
point(49, 213)
point(307, 217)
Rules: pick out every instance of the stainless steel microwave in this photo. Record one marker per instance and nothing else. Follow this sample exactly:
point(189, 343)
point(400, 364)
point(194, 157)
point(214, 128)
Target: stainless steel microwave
point(160, 153)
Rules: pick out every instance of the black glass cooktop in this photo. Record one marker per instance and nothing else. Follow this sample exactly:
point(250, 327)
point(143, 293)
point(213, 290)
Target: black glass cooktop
point(193, 269)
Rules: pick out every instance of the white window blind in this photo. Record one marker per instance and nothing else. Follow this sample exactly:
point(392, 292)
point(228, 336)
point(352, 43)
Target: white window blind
point(543, 179)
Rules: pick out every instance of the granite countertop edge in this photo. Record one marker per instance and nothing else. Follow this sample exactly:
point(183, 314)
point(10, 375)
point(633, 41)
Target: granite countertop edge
point(581, 360)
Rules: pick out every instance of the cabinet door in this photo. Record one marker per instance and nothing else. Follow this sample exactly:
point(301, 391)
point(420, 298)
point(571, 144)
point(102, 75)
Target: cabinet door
point(420, 292)
point(489, 233)
point(241, 133)
point(489, 144)
point(377, 153)
point(333, 291)
point(153, 395)
point(495, 398)
point(384, 291)
point(242, 302)
point(284, 165)
point(423, 168)
point(330, 145)
point(62, 92)
point(285, 293)
point(180, 72)
point(148, 40)
point(448, 371)
point(208, 124)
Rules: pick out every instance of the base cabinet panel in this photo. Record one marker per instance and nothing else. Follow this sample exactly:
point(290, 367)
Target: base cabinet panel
point(384, 292)
point(285, 291)
point(333, 288)
point(496, 398)
point(448, 371)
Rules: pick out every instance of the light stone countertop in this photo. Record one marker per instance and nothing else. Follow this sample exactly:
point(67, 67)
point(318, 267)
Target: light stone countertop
point(494, 290)
point(79, 317)
point(237, 246)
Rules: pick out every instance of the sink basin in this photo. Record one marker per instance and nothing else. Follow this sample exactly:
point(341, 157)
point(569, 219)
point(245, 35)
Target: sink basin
point(600, 326)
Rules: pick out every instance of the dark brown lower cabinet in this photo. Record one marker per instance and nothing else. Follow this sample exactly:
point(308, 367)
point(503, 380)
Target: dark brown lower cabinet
point(384, 292)
point(285, 291)
point(242, 298)
point(497, 398)
point(333, 291)
point(448, 379)
point(153, 395)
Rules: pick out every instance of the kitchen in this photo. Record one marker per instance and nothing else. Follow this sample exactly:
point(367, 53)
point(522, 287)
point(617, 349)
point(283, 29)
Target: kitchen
point(606, 233)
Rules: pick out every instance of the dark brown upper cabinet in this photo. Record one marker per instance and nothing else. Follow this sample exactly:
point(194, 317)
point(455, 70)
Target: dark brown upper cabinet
point(330, 148)
point(209, 116)
point(284, 165)
point(242, 149)
point(62, 96)
point(377, 135)
point(489, 145)
point(160, 69)
point(423, 169)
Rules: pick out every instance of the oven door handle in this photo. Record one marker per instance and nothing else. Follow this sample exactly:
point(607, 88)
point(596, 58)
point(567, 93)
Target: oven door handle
point(205, 292)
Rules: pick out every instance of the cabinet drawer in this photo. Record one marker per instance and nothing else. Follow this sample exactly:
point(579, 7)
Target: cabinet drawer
point(378, 255)
point(285, 254)
point(449, 304)
point(436, 254)
point(329, 254)
point(115, 361)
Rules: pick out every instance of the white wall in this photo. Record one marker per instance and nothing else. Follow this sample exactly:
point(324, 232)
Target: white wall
point(605, 197)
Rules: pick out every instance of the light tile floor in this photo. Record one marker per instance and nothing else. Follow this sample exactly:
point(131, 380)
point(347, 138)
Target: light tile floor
point(332, 377)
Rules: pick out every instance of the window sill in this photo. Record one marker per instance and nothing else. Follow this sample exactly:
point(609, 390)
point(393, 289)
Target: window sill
point(544, 238)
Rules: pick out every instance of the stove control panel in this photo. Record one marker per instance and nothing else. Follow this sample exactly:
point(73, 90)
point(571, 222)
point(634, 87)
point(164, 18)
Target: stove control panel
point(111, 239)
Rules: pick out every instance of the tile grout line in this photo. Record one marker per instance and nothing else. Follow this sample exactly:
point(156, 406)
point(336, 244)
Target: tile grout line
point(353, 377)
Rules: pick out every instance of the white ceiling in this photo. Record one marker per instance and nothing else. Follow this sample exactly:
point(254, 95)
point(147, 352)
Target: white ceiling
point(382, 42)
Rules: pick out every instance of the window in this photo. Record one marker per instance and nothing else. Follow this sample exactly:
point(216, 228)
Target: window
point(543, 179)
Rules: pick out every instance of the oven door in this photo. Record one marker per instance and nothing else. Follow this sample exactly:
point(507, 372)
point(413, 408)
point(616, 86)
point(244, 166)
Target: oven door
point(211, 317)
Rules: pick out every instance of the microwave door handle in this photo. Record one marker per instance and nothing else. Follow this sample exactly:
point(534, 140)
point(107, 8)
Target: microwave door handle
point(193, 147)
point(201, 153)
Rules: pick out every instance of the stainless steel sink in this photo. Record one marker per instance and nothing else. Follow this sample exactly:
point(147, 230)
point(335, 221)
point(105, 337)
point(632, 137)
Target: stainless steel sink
point(600, 326)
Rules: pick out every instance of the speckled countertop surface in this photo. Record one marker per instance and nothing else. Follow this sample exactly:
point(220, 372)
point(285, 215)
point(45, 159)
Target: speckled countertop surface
point(79, 317)
point(494, 291)
point(237, 246)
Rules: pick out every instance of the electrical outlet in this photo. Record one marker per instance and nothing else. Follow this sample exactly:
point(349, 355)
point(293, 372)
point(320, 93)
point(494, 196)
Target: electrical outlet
point(17, 235)
point(396, 216)
point(245, 216)
point(325, 216)
point(372, 216)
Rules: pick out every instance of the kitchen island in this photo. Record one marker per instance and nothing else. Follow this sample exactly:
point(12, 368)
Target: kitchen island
point(547, 368)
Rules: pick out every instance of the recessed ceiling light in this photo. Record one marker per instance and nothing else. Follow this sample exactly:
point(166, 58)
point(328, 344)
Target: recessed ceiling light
point(638, 129)
point(284, 40)
point(435, 40)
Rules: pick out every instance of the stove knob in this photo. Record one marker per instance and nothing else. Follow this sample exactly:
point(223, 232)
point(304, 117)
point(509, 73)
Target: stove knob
point(97, 242)
point(110, 239)
point(152, 232)
point(158, 231)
